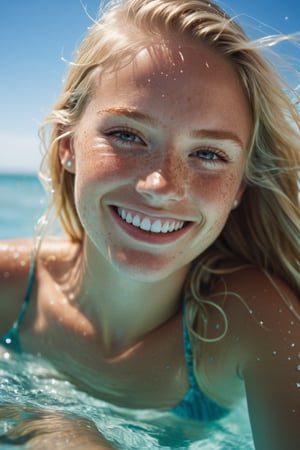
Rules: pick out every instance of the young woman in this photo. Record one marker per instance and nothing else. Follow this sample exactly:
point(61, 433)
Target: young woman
point(173, 160)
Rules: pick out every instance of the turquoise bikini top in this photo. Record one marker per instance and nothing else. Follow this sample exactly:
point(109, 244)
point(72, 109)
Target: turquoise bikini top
point(194, 405)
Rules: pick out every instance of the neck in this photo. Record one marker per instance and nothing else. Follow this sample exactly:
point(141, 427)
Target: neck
point(122, 308)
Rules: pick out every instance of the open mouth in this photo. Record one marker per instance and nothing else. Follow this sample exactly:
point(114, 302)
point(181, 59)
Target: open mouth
point(150, 224)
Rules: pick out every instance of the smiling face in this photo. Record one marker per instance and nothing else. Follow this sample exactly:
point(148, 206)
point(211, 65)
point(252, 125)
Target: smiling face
point(159, 157)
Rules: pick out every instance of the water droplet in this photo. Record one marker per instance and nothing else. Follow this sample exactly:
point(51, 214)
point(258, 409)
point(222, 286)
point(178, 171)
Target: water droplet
point(298, 367)
point(163, 95)
point(261, 322)
point(250, 311)
point(8, 341)
point(258, 358)
point(292, 322)
point(298, 385)
point(280, 310)
point(181, 71)
point(22, 263)
point(274, 352)
point(299, 355)
point(6, 355)
point(16, 255)
point(293, 344)
point(217, 326)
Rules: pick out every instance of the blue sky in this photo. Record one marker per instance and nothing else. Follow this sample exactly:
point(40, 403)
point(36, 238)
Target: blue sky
point(36, 34)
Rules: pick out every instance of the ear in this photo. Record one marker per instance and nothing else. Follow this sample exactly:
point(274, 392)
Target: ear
point(66, 153)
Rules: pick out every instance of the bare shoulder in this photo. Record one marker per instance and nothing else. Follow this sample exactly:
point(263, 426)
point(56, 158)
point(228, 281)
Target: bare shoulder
point(254, 316)
point(15, 259)
point(264, 311)
point(264, 314)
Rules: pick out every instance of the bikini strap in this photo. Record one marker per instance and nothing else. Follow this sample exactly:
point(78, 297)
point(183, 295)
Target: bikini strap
point(188, 351)
point(31, 278)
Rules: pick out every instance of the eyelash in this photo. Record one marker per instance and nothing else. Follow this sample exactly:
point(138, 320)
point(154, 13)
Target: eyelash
point(217, 155)
point(125, 131)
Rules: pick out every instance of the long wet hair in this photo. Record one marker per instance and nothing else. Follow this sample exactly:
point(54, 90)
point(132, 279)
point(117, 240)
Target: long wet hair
point(264, 230)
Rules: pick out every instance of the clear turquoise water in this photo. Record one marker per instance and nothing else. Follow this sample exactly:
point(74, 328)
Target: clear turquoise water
point(27, 381)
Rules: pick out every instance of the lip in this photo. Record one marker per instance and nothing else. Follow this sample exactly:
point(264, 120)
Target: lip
point(167, 226)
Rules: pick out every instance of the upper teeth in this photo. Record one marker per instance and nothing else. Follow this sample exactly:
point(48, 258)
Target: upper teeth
point(147, 224)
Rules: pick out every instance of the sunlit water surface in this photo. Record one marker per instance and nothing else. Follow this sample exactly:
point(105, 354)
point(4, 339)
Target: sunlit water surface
point(29, 381)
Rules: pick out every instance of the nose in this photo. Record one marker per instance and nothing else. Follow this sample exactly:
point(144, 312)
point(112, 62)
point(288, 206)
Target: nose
point(165, 184)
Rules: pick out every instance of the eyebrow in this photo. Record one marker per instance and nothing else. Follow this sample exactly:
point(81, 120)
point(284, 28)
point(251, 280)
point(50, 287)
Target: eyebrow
point(220, 135)
point(130, 114)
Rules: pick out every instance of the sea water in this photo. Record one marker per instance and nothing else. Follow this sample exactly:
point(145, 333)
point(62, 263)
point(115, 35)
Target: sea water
point(34, 389)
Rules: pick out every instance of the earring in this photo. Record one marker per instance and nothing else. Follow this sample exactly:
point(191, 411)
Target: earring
point(68, 164)
point(235, 204)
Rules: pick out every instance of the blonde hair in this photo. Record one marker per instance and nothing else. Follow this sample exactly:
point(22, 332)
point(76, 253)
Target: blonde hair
point(264, 230)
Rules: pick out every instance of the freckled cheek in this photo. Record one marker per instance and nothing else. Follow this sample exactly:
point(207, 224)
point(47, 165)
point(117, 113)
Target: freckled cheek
point(215, 190)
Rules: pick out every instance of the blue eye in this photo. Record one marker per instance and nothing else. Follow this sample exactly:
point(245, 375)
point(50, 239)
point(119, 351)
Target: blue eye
point(126, 136)
point(212, 156)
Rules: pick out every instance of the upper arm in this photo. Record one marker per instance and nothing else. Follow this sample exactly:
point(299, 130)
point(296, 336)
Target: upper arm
point(262, 349)
point(270, 365)
point(274, 404)
point(14, 267)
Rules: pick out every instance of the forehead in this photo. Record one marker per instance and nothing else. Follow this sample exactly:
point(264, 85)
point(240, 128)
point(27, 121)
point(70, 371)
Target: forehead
point(192, 78)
